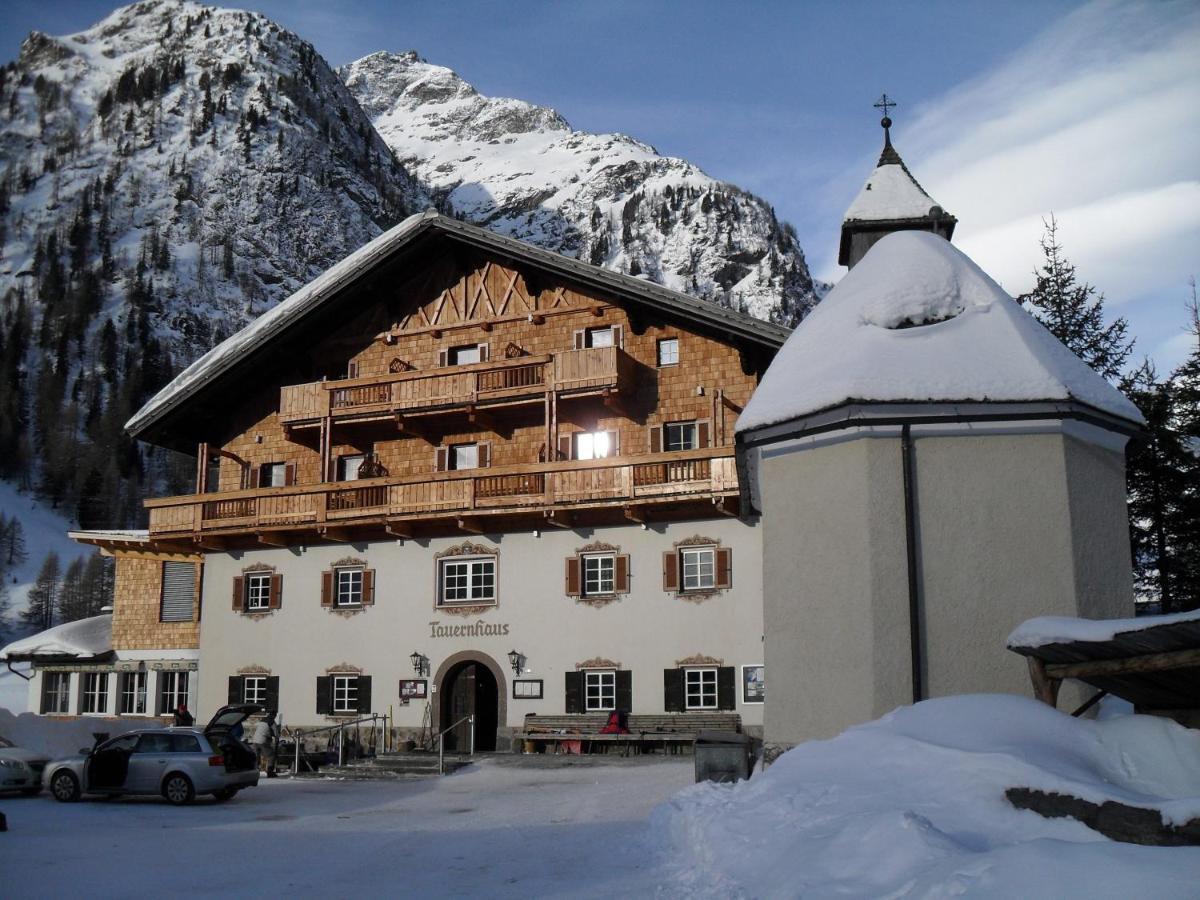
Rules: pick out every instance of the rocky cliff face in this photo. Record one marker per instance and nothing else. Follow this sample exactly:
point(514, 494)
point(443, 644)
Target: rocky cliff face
point(604, 198)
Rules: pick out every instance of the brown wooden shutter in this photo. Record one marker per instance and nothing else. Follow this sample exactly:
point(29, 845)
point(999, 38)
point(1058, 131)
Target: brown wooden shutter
point(289, 474)
point(580, 340)
point(239, 593)
point(623, 698)
point(702, 434)
point(327, 588)
point(440, 456)
point(724, 573)
point(618, 336)
point(574, 693)
point(272, 700)
point(483, 353)
point(564, 446)
point(443, 358)
point(351, 369)
point(613, 438)
point(235, 690)
point(484, 454)
point(573, 576)
point(726, 687)
point(275, 600)
point(621, 574)
point(364, 694)
point(324, 695)
point(671, 570)
point(368, 590)
point(656, 439)
point(673, 690)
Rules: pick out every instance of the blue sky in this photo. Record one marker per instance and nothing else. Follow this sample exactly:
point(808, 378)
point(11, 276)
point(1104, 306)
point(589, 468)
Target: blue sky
point(1008, 110)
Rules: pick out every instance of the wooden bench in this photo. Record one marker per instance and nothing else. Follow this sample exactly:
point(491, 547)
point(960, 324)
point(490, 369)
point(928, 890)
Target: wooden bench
point(673, 731)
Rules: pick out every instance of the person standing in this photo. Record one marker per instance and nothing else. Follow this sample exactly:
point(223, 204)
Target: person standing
point(264, 740)
point(183, 718)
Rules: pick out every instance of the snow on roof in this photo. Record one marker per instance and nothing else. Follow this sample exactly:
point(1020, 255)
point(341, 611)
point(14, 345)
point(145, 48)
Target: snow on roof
point(82, 638)
point(890, 193)
point(916, 320)
point(1065, 630)
point(132, 535)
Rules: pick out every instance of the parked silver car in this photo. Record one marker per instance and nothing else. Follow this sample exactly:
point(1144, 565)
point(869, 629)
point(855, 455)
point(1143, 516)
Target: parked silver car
point(177, 763)
point(20, 769)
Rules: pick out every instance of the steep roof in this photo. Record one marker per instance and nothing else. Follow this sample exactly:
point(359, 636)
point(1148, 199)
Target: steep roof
point(890, 193)
point(918, 321)
point(82, 639)
point(294, 312)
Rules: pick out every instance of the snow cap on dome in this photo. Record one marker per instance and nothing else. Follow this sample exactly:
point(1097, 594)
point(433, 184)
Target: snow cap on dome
point(917, 321)
point(890, 193)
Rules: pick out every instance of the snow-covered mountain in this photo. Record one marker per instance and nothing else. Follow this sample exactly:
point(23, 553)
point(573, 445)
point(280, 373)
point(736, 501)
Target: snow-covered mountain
point(605, 198)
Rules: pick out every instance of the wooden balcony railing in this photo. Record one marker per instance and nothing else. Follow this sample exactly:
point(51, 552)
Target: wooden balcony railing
point(545, 486)
point(505, 379)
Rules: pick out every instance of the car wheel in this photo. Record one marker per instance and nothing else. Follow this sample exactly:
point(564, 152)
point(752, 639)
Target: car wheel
point(225, 794)
point(65, 787)
point(178, 790)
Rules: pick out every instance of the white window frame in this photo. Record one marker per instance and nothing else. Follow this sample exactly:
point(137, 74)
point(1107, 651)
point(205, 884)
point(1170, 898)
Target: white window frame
point(700, 688)
point(93, 694)
point(173, 688)
point(461, 356)
point(599, 690)
point(258, 591)
point(601, 580)
point(698, 568)
point(681, 436)
point(470, 452)
point(474, 577)
point(593, 445)
point(61, 693)
point(668, 352)
point(254, 689)
point(132, 697)
point(345, 694)
point(606, 333)
point(349, 465)
point(348, 586)
point(272, 475)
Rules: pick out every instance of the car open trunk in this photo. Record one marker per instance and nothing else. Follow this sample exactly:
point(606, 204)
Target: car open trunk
point(238, 757)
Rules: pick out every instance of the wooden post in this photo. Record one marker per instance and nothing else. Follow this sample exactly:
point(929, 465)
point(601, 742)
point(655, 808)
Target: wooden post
point(1045, 688)
point(326, 446)
point(202, 468)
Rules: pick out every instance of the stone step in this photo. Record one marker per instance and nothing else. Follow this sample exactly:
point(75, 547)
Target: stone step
point(399, 765)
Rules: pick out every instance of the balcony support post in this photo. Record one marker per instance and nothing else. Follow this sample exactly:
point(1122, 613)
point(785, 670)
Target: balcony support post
point(559, 518)
point(402, 530)
point(477, 416)
point(333, 533)
point(326, 448)
point(209, 542)
point(271, 539)
point(471, 525)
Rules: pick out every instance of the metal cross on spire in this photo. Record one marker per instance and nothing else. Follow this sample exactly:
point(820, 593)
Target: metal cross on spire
point(885, 104)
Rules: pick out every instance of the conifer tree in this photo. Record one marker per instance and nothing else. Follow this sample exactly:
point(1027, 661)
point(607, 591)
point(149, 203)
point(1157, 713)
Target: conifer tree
point(12, 543)
point(72, 601)
point(43, 596)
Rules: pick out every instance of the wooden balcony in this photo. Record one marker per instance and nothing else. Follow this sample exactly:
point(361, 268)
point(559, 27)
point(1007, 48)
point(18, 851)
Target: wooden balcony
point(686, 484)
point(495, 383)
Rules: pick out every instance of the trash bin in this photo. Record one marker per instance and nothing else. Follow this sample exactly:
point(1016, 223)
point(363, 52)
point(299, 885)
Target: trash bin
point(723, 756)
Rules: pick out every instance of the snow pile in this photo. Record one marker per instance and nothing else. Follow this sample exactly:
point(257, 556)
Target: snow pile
point(974, 343)
point(1065, 629)
point(890, 193)
point(913, 804)
point(81, 638)
point(63, 737)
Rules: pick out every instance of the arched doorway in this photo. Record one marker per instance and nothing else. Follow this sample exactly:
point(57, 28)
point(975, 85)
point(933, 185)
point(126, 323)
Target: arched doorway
point(468, 686)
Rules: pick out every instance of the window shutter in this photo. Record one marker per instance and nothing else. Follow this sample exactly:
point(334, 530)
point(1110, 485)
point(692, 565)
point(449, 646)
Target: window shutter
point(327, 588)
point(484, 454)
point(673, 690)
point(483, 353)
point(656, 439)
point(440, 456)
point(702, 434)
point(289, 474)
point(235, 690)
point(260, 477)
point(368, 590)
point(624, 693)
point(573, 576)
point(239, 593)
point(324, 695)
point(443, 358)
point(275, 600)
point(579, 340)
point(574, 697)
point(621, 574)
point(564, 446)
point(724, 572)
point(178, 592)
point(613, 448)
point(726, 687)
point(364, 693)
point(671, 570)
point(618, 332)
point(273, 692)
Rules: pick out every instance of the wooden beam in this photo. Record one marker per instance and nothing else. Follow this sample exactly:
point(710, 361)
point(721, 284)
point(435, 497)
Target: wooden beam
point(737, 408)
point(471, 525)
point(613, 401)
point(403, 530)
point(209, 542)
point(333, 533)
point(726, 506)
point(597, 311)
point(1045, 688)
point(1148, 662)
point(559, 518)
point(537, 319)
point(635, 514)
point(478, 416)
point(272, 538)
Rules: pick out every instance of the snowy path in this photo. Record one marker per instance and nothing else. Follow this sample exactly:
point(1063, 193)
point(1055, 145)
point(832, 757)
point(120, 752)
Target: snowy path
point(498, 830)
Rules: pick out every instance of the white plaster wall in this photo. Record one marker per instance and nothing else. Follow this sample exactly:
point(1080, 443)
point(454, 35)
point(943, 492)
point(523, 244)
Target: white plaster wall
point(645, 631)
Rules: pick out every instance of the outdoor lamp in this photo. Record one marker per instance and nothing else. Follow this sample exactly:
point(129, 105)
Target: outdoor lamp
point(515, 660)
point(418, 662)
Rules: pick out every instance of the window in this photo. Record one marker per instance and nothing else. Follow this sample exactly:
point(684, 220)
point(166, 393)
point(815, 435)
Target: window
point(254, 689)
point(464, 456)
point(348, 466)
point(668, 352)
point(461, 356)
point(348, 587)
point(468, 580)
point(56, 693)
point(601, 337)
point(185, 743)
point(212, 477)
point(95, 693)
point(178, 591)
point(345, 694)
point(594, 445)
point(133, 694)
point(172, 690)
point(599, 574)
point(680, 436)
point(154, 743)
point(700, 688)
point(258, 591)
point(600, 690)
point(273, 475)
point(699, 568)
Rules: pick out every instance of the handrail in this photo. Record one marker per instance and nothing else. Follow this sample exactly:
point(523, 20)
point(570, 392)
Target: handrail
point(340, 727)
point(441, 739)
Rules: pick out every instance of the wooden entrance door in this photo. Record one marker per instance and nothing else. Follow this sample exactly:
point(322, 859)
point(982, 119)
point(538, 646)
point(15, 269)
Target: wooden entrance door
point(470, 690)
